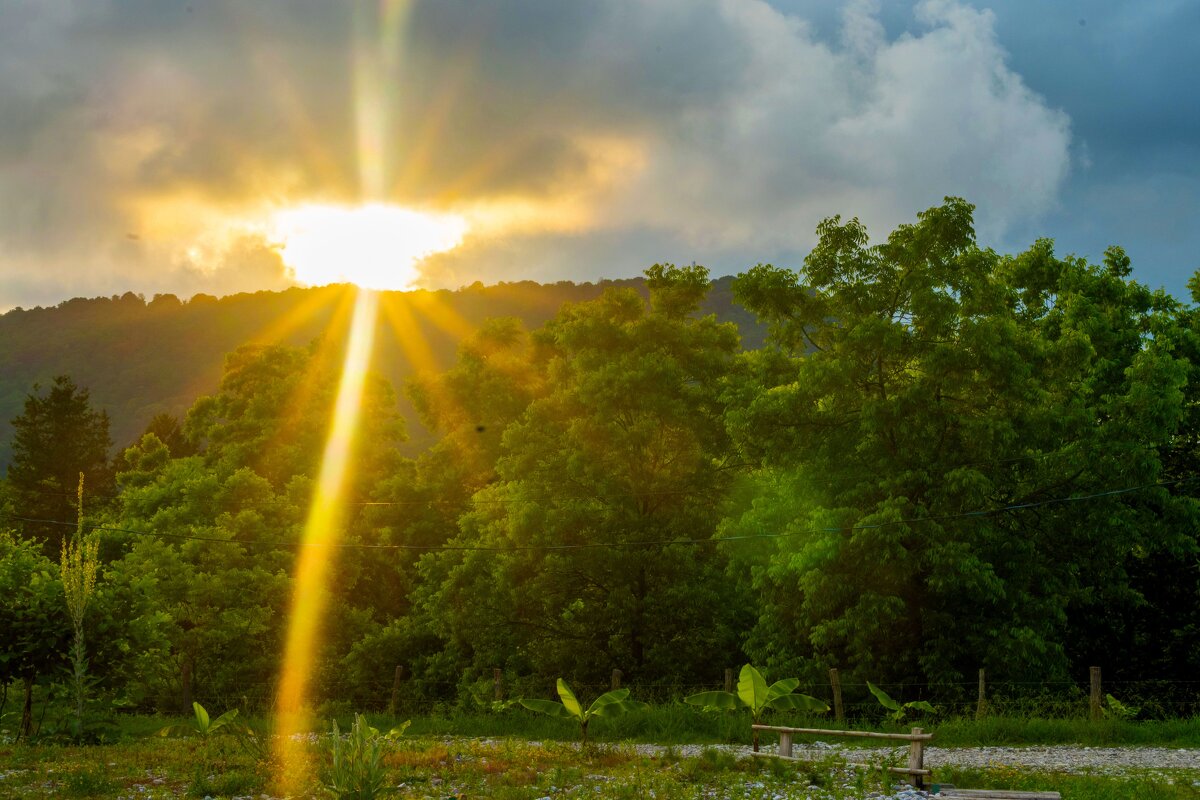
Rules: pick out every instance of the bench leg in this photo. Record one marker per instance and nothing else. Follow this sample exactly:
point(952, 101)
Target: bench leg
point(916, 758)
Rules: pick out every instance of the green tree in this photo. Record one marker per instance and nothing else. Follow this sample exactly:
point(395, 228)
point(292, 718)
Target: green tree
point(217, 530)
point(208, 610)
point(623, 450)
point(499, 372)
point(33, 626)
point(913, 382)
point(58, 436)
point(1155, 630)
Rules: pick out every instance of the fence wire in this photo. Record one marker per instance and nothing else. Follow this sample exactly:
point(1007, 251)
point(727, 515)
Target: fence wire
point(1139, 699)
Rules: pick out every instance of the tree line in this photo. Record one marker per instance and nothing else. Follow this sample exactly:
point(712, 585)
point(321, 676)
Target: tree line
point(941, 458)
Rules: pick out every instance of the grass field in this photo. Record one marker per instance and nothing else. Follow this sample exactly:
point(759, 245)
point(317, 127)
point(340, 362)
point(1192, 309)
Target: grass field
point(521, 755)
point(419, 766)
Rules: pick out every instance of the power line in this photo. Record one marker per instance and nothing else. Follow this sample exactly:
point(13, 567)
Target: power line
point(472, 500)
point(618, 545)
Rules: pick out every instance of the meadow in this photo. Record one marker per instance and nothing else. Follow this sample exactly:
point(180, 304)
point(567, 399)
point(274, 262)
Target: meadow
point(670, 751)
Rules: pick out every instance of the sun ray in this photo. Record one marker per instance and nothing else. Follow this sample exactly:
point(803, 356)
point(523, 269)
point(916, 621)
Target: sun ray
point(313, 302)
point(433, 119)
point(321, 534)
point(442, 315)
point(376, 70)
point(413, 343)
point(251, 33)
point(328, 347)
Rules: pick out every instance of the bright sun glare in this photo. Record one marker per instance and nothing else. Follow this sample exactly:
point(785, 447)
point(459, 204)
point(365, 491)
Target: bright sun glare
point(375, 246)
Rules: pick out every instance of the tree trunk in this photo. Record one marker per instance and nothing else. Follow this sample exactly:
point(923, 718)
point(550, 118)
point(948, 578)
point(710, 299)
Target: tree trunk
point(27, 711)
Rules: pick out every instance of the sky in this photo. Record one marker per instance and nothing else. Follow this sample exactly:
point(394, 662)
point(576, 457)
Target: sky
point(220, 146)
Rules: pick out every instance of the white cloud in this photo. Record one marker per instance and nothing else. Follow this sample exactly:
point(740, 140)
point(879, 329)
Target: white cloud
point(717, 129)
point(867, 127)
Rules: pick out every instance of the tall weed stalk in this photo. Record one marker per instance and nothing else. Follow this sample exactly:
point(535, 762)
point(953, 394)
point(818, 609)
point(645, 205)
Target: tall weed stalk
point(78, 565)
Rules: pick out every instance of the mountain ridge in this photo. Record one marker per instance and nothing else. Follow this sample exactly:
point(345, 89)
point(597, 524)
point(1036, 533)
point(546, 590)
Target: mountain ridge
point(138, 358)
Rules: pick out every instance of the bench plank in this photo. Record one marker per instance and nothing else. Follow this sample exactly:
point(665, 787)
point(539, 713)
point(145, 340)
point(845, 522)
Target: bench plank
point(908, 737)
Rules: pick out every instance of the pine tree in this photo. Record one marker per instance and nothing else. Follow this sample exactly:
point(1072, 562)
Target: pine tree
point(58, 436)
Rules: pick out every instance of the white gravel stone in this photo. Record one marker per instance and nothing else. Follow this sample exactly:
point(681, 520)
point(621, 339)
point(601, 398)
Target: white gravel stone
point(1055, 758)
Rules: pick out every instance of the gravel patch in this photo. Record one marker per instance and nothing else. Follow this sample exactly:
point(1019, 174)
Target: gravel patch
point(1075, 759)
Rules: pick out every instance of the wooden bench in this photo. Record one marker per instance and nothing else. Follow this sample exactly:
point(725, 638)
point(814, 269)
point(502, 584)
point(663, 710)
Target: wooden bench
point(915, 770)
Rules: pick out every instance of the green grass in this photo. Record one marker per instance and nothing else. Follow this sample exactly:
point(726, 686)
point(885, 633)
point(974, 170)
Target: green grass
point(681, 724)
point(1138, 785)
point(1022, 731)
point(676, 723)
point(508, 769)
point(519, 754)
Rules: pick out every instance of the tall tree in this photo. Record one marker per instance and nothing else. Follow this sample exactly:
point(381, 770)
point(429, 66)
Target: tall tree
point(58, 436)
point(622, 452)
point(498, 374)
point(218, 604)
point(912, 388)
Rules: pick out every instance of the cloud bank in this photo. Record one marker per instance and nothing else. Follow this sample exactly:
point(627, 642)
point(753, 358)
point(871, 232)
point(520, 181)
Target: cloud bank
point(143, 143)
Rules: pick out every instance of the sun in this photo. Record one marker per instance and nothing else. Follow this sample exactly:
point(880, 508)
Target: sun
point(374, 246)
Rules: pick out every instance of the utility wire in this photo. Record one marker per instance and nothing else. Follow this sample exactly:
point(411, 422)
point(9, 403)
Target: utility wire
point(1007, 509)
point(431, 502)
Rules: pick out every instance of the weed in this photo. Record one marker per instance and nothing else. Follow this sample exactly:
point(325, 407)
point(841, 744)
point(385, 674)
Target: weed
point(358, 772)
point(754, 694)
point(609, 704)
point(714, 760)
point(899, 711)
point(226, 784)
point(89, 783)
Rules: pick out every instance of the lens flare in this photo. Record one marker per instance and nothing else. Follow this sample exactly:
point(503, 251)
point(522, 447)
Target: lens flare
point(321, 533)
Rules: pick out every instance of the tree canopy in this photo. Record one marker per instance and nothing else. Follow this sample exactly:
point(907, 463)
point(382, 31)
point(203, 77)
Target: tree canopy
point(940, 458)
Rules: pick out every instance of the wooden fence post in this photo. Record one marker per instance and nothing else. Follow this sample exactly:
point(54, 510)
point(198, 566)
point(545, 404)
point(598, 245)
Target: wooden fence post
point(185, 700)
point(1095, 694)
point(981, 707)
point(835, 682)
point(916, 758)
point(729, 679)
point(397, 677)
point(785, 744)
point(616, 678)
point(497, 685)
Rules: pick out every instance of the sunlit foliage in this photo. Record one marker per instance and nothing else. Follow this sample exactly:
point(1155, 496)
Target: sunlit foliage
point(942, 458)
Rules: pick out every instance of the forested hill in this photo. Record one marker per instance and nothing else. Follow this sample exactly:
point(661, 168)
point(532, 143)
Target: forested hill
point(139, 358)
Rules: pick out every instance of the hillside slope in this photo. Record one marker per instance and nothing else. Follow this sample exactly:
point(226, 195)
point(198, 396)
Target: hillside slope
point(141, 358)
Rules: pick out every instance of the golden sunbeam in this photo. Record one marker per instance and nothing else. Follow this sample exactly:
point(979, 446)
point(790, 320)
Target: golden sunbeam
point(432, 125)
point(312, 306)
point(321, 533)
point(408, 334)
point(327, 356)
point(376, 71)
point(442, 315)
